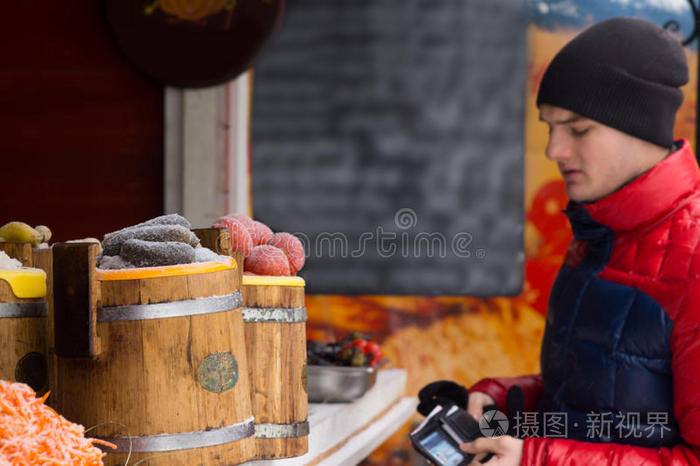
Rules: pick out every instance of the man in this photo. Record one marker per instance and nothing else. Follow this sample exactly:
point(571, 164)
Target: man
point(620, 356)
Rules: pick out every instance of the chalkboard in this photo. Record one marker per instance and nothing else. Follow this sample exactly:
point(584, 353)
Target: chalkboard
point(388, 135)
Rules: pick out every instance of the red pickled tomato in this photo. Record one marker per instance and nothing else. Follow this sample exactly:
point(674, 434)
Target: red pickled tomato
point(358, 343)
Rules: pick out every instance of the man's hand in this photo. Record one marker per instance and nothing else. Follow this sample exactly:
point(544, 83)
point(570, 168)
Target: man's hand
point(477, 401)
point(507, 451)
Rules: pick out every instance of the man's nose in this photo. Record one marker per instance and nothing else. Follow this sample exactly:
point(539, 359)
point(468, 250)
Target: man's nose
point(557, 149)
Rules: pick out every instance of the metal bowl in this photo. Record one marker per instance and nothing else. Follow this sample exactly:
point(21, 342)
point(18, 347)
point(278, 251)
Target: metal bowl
point(332, 384)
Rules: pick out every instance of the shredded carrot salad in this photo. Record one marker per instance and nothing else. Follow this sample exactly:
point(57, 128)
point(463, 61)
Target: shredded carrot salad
point(31, 433)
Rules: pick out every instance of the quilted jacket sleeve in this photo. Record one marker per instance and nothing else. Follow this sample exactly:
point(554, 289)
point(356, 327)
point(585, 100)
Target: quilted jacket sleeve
point(685, 366)
point(498, 389)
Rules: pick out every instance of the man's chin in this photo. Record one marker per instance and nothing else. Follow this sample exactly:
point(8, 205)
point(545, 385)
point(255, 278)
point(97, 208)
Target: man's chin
point(579, 195)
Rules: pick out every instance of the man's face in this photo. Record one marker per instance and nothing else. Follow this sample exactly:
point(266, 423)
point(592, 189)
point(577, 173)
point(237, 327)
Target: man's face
point(595, 160)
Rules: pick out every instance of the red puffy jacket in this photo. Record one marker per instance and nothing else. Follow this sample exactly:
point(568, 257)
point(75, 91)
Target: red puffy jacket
point(656, 249)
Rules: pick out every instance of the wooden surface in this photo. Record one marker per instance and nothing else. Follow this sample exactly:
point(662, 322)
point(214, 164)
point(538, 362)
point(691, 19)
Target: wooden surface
point(240, 260)
point(166, 289)
point(43, 259)
point(75, 298)
point(216, 239)
point(20, 251)
point(87, 122)
point(273, 296)
point(277, 356)
point(145, 380)
point(21, 336)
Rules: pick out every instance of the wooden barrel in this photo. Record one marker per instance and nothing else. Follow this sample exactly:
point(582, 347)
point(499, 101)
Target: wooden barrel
point(168, 380)
point(23, 314)
point(274, 318)
point(20, 251)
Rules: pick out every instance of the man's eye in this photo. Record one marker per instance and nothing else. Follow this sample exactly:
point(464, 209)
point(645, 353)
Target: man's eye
point(578, 133)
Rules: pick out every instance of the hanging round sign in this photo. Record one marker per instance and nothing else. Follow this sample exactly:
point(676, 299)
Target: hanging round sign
point(192, 43)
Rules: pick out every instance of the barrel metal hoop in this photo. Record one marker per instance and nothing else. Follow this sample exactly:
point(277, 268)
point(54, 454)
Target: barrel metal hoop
point(299, 429)
point(274, 314)
point(19, 310)
point(183, 440)
point(186, 307)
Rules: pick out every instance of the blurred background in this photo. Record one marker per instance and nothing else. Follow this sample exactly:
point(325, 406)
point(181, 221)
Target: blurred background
point(92, 142)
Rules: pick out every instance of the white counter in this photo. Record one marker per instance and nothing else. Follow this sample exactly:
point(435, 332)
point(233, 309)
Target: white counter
point(346, 433)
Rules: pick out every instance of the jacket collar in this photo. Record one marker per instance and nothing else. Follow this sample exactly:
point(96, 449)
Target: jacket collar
point(649, 196)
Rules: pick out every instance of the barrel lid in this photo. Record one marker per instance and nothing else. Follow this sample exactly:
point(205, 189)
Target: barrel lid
point(272, 280)
point(26, 282)
point(166, 271)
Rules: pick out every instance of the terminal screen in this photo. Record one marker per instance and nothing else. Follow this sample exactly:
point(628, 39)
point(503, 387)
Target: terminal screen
point(441, 449)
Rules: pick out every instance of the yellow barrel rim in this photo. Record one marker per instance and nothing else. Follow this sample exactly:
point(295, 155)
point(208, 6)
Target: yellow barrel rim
point(272, 280)
point(165, 271)
point(26, 282)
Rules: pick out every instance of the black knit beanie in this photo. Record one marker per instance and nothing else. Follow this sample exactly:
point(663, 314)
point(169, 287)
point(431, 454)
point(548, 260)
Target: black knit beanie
point(624, 73)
